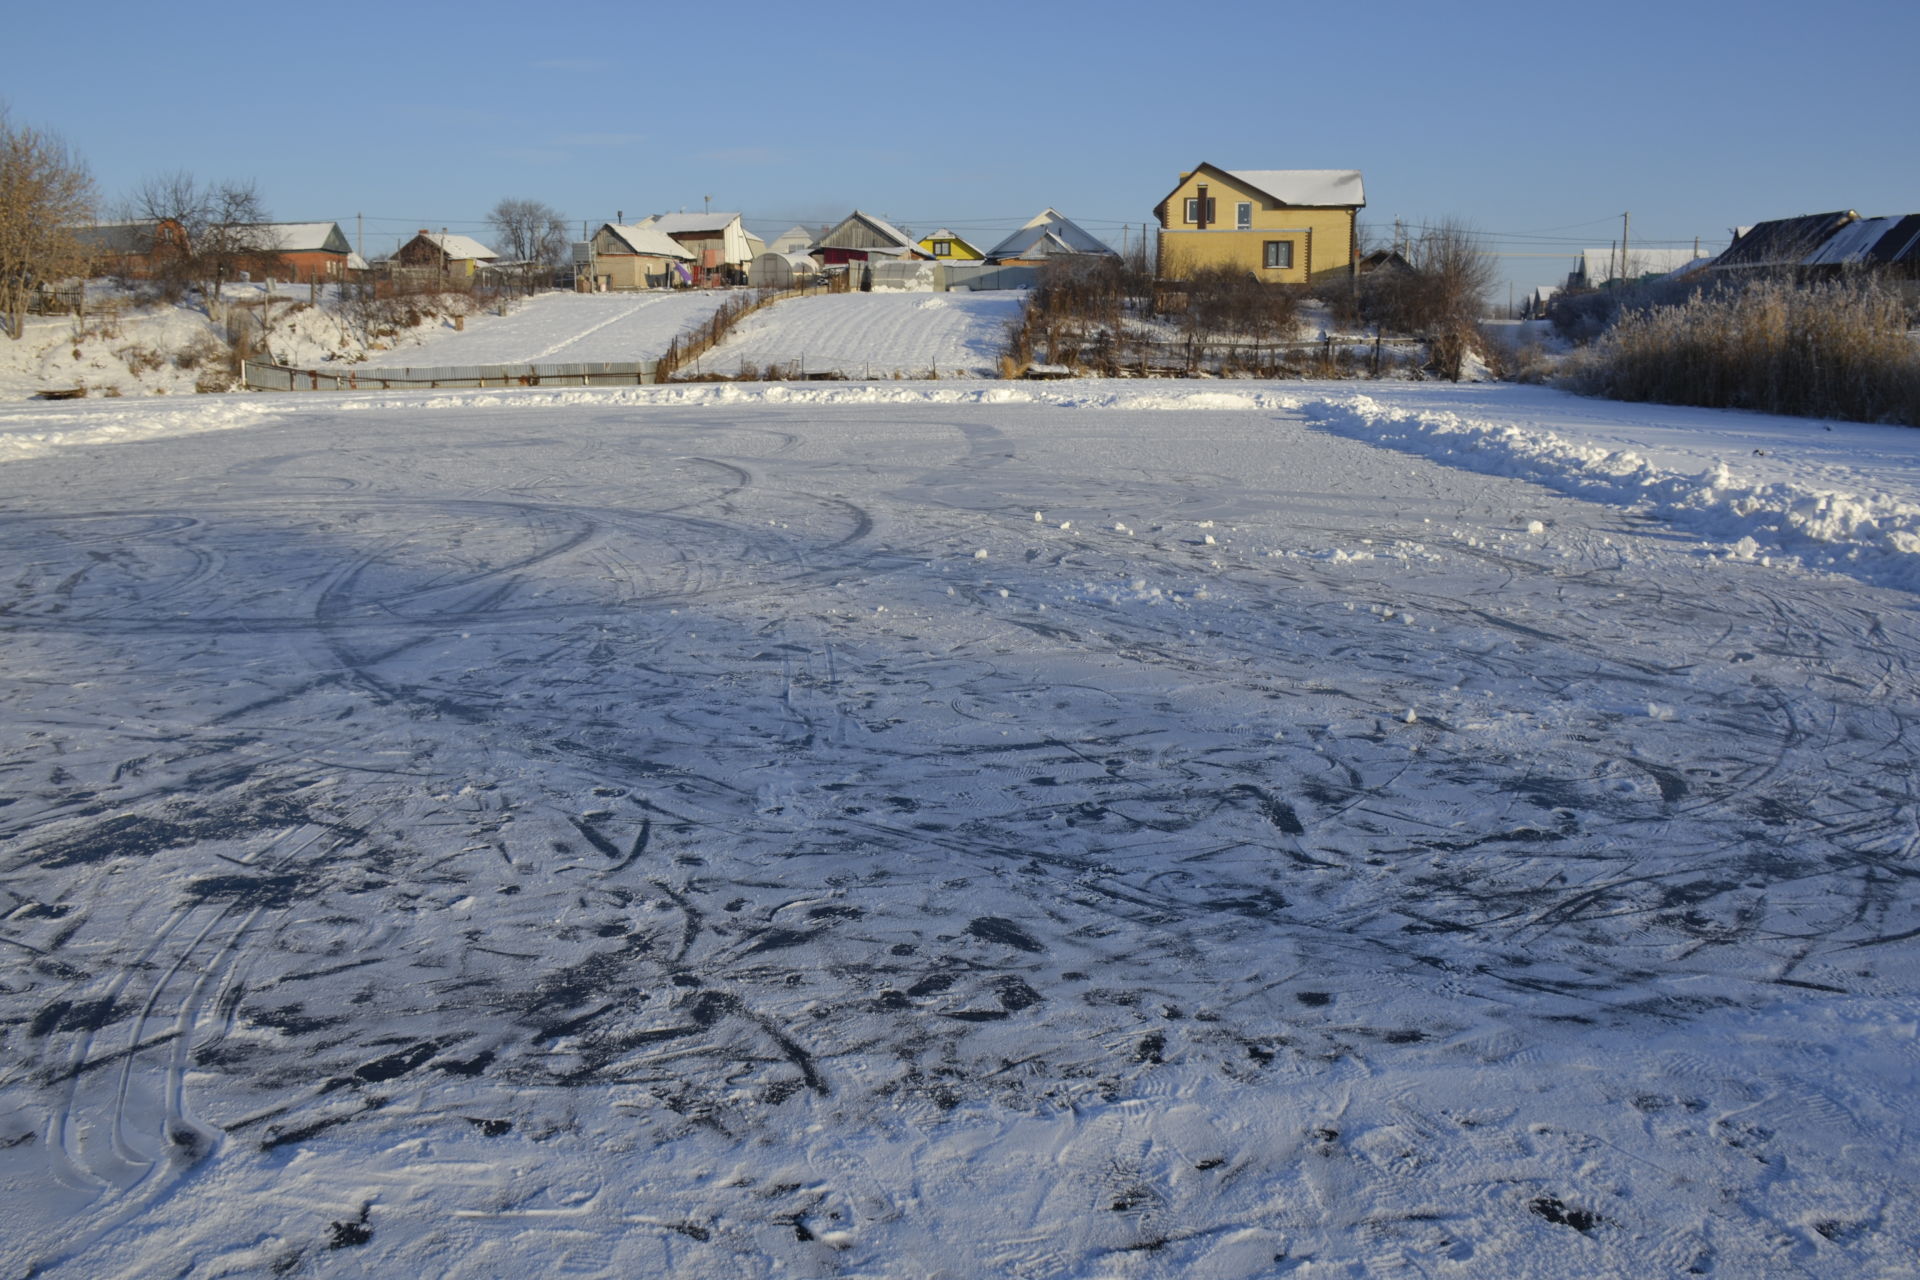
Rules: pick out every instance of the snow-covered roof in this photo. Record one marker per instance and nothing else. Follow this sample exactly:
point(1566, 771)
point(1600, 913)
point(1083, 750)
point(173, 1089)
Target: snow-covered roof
point(1596, 266)
point(649, 239)
point(302, 237)
point(1892, 239)
point(1032, 239)
point(1784, 242)
point(686, 224)
point(459, 248)
point(356, 263)
point(894, 240)
point(1309, 187)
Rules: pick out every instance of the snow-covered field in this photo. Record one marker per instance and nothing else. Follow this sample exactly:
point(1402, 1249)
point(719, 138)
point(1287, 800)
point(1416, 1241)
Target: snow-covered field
point(875, 335)
point(936, 830)
point(569, 328)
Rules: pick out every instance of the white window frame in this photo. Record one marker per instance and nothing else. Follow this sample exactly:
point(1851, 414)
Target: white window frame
point(1243, 216)
point(1193, 210)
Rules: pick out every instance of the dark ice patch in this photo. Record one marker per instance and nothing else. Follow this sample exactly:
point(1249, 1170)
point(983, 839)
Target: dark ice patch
point(1005, 932)
point(247, 891)
point(1554, 1211)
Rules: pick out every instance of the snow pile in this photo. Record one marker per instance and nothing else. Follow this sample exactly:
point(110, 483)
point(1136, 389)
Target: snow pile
point(1870, 536)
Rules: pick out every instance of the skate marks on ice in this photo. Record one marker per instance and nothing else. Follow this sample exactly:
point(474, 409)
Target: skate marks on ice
point(683, 796)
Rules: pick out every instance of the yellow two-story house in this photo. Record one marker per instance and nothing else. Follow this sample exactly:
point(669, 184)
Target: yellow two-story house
point(1284, 226)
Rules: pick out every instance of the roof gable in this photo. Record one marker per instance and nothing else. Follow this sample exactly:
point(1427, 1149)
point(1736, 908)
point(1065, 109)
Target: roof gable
point(944, 234)
point(1048, 233)
point(1293, 188)
point(459, 248)
point(303, 237)
point(646, 238)
point(865, 231)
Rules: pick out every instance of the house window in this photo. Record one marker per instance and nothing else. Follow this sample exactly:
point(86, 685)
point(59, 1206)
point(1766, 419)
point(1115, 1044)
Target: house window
point(1193, 209)
point(1279, 255)
point(942, 248)
point(1243, 215)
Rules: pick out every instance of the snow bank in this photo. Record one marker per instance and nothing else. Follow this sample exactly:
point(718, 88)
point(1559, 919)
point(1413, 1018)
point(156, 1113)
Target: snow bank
point(1871, 536)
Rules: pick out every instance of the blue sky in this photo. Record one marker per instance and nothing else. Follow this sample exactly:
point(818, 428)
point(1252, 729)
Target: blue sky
point(1537, 124)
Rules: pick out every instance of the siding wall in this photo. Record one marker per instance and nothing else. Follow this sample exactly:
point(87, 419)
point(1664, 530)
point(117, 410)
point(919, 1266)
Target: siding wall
point(1322, 238)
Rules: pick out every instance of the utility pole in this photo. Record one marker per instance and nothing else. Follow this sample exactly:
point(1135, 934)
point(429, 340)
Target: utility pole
point(360, 234)
point(1626, 220)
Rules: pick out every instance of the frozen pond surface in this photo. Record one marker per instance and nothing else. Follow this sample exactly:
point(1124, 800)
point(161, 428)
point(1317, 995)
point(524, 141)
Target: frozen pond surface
point(572, 835)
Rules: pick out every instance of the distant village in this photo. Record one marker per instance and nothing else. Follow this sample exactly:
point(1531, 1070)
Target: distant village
point(1277, 226)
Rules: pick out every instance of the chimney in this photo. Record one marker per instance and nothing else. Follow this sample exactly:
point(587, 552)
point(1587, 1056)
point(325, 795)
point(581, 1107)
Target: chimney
point(1200, 218)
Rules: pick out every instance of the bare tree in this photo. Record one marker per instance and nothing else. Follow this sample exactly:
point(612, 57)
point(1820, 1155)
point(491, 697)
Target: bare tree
point(1440, 295)
point(46, 195)
point(529, 231)
point(205, 234)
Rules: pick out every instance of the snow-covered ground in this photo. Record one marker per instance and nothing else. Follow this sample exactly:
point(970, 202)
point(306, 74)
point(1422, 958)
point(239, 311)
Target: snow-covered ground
point(875, 335)
point(568, 328)
point(1100, 830)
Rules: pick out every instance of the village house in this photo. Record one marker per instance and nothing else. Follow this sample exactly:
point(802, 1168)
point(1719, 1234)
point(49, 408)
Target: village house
point(719, 243)
point(945, 246)
point(130, 250)
point(1281, 226)
point(455, 258)
point(862, 237)
point(620, 257)
point(300, 252)
point(1047, 235)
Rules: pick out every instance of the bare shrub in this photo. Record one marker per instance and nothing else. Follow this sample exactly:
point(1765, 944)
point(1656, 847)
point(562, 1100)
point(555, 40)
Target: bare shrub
point(1442, 297)
point(1838, 348)
point(139, 359)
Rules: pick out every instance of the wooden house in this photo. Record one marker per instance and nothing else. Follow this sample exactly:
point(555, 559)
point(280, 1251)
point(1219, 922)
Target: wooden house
point(1282, 226)
point(455, 258)
point(621, 257)
point(718, 242)
point(862, 237)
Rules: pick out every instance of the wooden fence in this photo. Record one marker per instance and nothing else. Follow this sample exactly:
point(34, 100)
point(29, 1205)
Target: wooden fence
point(262, 376)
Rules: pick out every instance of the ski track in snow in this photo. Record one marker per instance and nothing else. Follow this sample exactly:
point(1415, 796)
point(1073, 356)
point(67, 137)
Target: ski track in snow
point(582, 327)
point(706, 831)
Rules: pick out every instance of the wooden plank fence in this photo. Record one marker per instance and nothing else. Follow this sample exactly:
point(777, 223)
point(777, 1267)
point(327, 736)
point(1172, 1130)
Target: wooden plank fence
point(262, 376)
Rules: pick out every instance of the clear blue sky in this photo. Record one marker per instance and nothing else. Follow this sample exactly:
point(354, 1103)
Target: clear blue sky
point(1538, 124)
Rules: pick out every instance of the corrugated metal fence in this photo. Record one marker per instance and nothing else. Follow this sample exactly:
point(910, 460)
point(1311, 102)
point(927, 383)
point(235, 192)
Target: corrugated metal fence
point(260, 376)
